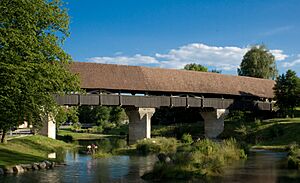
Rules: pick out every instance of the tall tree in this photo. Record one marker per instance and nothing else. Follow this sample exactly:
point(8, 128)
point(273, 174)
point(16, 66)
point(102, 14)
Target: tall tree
point(258, 62)
point(33, 64)
point(287, 92)
point(195, 67)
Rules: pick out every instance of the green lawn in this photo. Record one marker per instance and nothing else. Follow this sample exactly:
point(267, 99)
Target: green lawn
point(274, 133)
point(28, 149)
point(81, 136)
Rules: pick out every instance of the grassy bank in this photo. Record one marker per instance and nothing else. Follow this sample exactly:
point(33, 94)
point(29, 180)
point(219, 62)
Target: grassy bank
point(28, 149)
point(81, 136)
point(275, 133)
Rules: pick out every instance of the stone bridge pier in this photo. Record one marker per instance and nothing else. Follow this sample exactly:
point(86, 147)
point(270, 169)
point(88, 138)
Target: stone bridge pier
point(139, 123)
point(49, 127)
point(214, 122)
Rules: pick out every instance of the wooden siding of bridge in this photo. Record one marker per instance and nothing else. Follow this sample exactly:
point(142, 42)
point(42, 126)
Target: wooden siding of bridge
point(160, 101)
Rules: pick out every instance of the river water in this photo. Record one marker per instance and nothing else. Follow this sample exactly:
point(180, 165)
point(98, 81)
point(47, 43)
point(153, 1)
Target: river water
point(260, 167)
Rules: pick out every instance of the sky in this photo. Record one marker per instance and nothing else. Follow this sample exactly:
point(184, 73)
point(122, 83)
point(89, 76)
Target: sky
point(172, 33)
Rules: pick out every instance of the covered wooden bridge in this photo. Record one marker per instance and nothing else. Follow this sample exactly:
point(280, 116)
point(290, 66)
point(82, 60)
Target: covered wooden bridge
point(142, 89)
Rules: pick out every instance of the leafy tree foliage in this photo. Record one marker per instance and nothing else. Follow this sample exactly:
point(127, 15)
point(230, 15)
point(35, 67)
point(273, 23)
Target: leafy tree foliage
point(258, 62)
point(216, 71)
point(32, 61)
point(287, 92)
point(195, 67)
point(101, 115)
point(66, 114)
point(199, 67)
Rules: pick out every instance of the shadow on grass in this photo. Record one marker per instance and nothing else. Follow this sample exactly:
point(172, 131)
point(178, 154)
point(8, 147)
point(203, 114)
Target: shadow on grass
point(9, 158)
point(280, 134)
point(34, 145)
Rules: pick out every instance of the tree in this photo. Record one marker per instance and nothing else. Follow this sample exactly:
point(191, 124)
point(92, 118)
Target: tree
point(216, 71)
point(287, 92)
point(33, 65)
point(258, 62)
point(117, 115)
point(66, 114)
point(195, 67)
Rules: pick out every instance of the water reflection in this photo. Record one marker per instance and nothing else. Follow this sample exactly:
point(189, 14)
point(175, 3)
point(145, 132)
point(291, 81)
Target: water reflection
point(261, 166)
point(52, 155)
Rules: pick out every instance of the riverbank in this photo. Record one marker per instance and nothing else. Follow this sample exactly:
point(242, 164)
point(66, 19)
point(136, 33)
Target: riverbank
point(272, 134)
point(69, 135)
point(29, 149)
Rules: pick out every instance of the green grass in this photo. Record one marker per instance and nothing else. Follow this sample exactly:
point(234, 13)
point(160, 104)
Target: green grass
point(275, 133)
point(177, 130)
point(157, 145)
point(202, 159)
point(28, 149)
point(81, 136)
point(101, 155)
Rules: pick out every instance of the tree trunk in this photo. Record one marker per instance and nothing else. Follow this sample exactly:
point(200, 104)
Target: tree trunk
point(3, 139)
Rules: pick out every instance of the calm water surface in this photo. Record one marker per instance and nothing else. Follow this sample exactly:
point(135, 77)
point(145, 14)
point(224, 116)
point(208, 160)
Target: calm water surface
point(261, 166)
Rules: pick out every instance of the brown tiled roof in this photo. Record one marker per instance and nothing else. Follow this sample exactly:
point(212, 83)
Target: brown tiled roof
point(136, 78)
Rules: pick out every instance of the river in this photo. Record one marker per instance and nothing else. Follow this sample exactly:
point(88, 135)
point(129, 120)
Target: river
point(260, 167)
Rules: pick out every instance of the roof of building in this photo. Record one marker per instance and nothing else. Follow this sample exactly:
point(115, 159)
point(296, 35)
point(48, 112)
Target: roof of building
point(137, 78)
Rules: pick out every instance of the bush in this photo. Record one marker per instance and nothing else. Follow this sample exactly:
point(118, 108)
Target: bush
point(76, 126)
point(187, 138)
point(204, 158)
point(97, 129)
point(294, 157)
point(157, 145)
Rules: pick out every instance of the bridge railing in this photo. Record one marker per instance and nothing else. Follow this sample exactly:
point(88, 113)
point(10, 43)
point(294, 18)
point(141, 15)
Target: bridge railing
point(159, 101)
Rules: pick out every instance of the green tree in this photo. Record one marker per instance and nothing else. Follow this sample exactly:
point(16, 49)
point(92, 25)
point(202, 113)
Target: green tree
point(117, 115)
point(287, 92)
point(195, 67)
point(258, 62)
point(100, 115)
point(33, 65)
point(85, 114)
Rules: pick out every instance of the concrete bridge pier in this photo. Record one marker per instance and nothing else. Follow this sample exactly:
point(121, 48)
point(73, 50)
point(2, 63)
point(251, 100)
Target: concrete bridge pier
point(139, 123)
point(49, 127)
point(214, 122)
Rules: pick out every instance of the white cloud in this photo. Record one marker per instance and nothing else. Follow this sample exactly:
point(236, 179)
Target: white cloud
point(277, 30)
point(278, 54)
point(292, 63)
point(125, 60)
point(226, 58)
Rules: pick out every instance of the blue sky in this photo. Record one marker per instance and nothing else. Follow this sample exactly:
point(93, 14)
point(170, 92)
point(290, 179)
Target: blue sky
point(172, 33)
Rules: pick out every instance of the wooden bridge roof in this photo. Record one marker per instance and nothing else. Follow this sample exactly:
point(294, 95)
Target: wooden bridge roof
point(137, 78)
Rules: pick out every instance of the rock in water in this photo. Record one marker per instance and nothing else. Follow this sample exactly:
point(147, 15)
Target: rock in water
point(18, 169)
point(8, 170)
point(163, 158)
point(42, 165)
point(35, 166)
point(26, 166)
point(48, 164)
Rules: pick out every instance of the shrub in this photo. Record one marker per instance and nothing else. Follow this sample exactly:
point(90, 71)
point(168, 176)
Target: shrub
point(204, 158)
point(187, 138)
point(97, 129)
point(76, 126)
point(294, 157)
point(102, 155)
point(157, 145)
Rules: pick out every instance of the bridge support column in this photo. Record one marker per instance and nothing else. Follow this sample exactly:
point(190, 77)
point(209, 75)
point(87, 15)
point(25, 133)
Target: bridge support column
point(139, 123)
point(49, 127)
point(214, 122)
